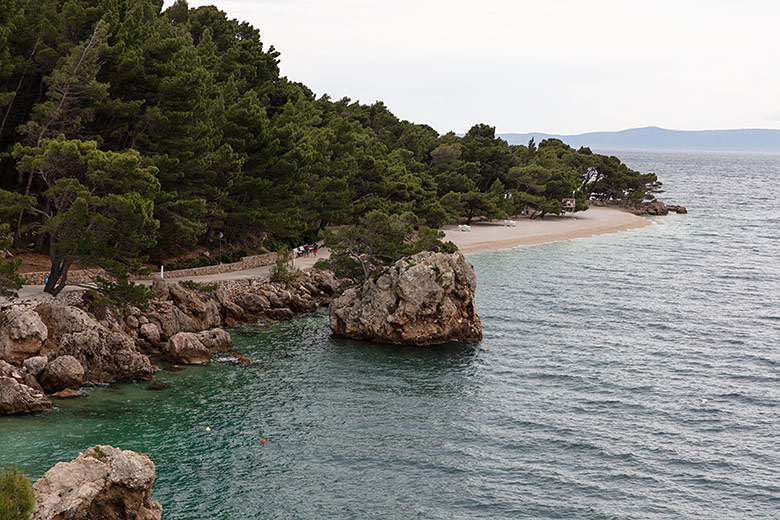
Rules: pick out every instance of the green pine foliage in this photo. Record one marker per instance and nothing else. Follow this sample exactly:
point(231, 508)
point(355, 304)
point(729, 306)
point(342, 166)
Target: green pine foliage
point(16, 495)
point(10, 281)
point(127, 131)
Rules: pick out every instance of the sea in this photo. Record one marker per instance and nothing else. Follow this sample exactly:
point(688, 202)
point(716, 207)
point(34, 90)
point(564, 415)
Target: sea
point(626, 376)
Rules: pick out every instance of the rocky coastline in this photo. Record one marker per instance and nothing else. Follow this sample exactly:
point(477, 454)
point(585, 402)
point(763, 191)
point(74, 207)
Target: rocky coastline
point(52, 349)
point(655, 207)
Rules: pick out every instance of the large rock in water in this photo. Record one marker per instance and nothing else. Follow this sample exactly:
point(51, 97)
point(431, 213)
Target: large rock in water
point(105, 482)
point(423, 300)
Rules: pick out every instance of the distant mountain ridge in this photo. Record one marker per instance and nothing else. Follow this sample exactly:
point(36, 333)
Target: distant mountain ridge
point(655, 138)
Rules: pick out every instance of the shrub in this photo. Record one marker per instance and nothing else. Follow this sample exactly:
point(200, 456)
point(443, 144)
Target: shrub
point(124, 290)
point(202, 287)
point(16, 495)
point(282, 272)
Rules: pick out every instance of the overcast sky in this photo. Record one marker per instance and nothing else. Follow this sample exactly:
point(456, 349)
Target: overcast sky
point(557, 66)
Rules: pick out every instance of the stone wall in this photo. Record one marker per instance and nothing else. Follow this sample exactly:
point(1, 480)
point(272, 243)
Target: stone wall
point(90, 275)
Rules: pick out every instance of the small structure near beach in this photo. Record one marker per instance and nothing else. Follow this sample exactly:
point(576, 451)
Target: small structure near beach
point(425, 299)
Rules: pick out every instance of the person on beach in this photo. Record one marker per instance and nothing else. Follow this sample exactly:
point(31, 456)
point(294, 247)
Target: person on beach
point(314, 248)
point(306, 250)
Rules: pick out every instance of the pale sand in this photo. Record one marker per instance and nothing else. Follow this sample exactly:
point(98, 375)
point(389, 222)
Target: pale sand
point(490, 236)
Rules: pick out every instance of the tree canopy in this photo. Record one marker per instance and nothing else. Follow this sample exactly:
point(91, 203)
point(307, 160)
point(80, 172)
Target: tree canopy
point(127, 131)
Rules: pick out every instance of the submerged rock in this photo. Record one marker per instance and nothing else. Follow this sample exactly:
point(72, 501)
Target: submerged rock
point(423, 300)
point(105, 483)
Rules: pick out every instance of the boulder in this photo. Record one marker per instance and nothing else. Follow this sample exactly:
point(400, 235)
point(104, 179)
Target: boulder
point(274, 300)
point(105, 483)
point(63, 372)
point(160, 288)
point(324, 281)
point(151, 333)
point(171, 320)
point(65, 319)
point(216, 340)
point(132, 322)
point(35, 365)
point(106, 355)
point(22, 335)
point(240, 358)
point(251, 302)
point(231, 311)
point(280, 314)
point(205, 314)
point(298, 303)
point(21, 376)
point(16, 397)
point(186, 347)
point(423, 300)
point(68, 393)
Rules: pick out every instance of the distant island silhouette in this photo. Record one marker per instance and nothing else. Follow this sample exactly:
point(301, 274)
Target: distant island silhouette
point(655, 138)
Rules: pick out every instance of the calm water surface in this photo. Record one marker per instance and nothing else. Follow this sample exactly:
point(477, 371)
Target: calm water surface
point(626, 376)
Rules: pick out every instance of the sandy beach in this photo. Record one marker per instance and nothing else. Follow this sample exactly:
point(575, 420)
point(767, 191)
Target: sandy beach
point(490, 236)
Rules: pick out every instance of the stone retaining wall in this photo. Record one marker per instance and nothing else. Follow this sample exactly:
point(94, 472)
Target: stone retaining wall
point(90, 275)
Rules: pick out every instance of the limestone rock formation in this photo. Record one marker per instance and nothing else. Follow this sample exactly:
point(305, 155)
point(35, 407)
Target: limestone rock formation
point(423, 300)
point(216, 340)
point(16, 397)
point(61, 373)
point(105, 355)
point(160, 288)
point(22, 377)
point(205, 314)
point(170, 319)
point(105, 482)
point(186, 347)
point(151, 333)
point(35, 365)
point(655, 207)
point(22, 335)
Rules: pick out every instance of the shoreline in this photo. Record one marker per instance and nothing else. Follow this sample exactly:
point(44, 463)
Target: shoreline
point(494, 236)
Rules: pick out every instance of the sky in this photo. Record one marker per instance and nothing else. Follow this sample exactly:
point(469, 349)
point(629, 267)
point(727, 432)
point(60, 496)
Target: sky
point(556, 66)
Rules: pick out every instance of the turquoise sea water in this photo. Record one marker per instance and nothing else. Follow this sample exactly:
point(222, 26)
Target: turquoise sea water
point(623, 376)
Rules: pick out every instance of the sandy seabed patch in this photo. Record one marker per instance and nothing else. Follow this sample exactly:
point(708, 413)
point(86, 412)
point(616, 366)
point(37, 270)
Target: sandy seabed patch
point(491, 236)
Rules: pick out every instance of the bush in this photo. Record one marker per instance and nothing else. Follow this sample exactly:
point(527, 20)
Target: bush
point(282, 272)
point(202, 287)
point(16, 495)
point(123, 290)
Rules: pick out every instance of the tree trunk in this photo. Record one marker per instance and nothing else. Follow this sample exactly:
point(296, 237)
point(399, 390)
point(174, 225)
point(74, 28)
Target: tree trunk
point(471, 214)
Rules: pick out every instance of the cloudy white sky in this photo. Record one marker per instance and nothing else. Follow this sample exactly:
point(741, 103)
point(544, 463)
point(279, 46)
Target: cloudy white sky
point(558, 66)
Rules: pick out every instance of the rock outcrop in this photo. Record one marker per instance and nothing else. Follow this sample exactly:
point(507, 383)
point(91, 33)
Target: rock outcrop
point(186, 347)
point(655, 207)
point(106, 355)
point(65, 346)
point(16, 397)
point(22, 335)
point(64, 372)
point(105, 483)
point(192, 348)
point(423, 300)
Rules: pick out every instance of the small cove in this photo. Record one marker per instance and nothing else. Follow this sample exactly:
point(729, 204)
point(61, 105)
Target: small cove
point(584, 400)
